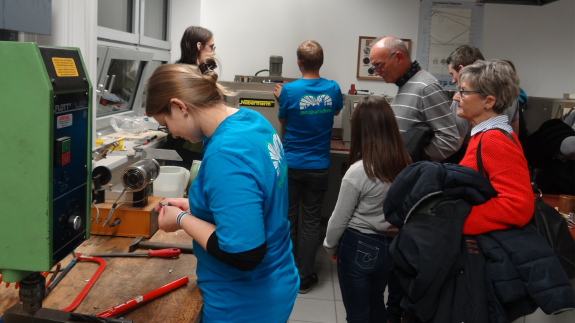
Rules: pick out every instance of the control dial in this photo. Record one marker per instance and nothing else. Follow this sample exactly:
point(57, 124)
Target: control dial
point(75, 222)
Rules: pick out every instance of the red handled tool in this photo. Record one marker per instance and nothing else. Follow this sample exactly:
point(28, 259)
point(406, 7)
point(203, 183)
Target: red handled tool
point(164, 253)
point(141, 300)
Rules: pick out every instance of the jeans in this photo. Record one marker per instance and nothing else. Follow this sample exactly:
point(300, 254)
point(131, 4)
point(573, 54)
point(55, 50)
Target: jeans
point(364, 266)
point(309, 186)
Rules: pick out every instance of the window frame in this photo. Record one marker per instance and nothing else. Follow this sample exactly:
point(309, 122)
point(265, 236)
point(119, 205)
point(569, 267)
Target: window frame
point(126, 54)
point(126, 37)
point(153, 42)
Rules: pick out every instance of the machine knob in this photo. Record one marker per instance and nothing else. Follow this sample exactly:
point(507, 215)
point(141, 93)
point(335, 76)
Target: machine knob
point(75, 222)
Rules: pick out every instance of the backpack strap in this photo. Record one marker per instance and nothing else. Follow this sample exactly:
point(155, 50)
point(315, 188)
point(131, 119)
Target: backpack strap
point(478, 155)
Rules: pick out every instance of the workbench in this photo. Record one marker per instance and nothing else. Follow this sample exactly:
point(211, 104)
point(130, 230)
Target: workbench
point(123, 279)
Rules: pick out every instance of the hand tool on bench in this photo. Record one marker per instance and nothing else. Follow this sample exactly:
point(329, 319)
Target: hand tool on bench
point(137, 243)
point(164, 253)
point(59, 278)
point(88, 286)
point(143, 299)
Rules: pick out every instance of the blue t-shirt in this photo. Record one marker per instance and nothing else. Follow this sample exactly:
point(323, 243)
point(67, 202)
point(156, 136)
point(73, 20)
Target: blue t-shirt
point(241, 187)
point(309, 106)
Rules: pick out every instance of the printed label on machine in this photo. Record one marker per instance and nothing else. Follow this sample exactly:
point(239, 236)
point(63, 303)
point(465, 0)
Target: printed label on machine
point(64, 121)
point(65, 67)
point(257, 103)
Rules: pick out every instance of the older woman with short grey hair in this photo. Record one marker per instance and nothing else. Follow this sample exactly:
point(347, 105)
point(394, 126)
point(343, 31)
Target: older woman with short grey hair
point(487, 88)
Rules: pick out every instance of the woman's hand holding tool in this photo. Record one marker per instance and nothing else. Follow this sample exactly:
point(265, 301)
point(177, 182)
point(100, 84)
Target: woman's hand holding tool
point(182, 203)
point(167, 219)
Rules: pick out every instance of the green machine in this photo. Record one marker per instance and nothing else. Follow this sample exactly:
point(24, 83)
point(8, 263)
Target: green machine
point(45, 164)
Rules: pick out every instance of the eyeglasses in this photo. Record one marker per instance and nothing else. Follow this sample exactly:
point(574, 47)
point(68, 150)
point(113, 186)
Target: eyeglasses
point(212, 46)
point(378, 67)
point(464, 94)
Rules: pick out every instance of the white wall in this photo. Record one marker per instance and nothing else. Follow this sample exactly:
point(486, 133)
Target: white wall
point(74, 24)
point(185, 13)
point(247, 32)
point(540, 40)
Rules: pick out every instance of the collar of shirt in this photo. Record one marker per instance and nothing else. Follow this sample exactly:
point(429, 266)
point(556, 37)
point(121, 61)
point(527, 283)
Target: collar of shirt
point(499, 122)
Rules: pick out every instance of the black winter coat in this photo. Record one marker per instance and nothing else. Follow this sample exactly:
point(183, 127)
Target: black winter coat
point(523, 273)
point(443, 276)
point(429, 203)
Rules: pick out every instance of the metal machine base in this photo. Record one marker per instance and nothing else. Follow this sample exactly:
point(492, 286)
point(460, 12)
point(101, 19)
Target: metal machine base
point(16, 314)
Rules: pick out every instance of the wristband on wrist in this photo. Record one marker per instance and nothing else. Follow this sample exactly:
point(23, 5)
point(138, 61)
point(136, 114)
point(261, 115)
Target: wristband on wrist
point(180, 216)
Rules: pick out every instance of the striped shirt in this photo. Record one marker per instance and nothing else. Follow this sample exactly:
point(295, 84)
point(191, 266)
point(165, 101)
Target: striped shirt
point(499, 122)
point(422, 100)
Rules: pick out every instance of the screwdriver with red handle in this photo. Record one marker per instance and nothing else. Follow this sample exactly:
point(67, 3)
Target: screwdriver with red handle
point(164, 253)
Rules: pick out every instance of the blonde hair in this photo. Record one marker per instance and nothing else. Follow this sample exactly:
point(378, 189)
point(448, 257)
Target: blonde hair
point(310, 54)
point(186, 83)
point(495, 78)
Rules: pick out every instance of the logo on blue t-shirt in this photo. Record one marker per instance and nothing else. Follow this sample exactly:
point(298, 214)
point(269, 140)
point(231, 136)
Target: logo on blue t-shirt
point(276, 150)
point(316, 103)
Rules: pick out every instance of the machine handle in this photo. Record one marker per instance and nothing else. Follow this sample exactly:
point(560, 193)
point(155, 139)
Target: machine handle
point(165, 253)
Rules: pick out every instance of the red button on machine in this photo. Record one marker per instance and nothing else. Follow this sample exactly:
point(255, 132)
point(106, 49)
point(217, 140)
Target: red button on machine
point(65, 158)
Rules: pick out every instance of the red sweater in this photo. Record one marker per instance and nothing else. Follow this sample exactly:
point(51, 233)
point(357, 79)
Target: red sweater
point(506, 167)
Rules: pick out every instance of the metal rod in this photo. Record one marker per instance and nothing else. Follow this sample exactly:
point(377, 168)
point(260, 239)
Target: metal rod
point(111, 83)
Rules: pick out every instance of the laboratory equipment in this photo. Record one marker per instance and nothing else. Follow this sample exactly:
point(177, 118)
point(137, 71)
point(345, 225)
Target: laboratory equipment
point(137, 179)
point(46, 162)
point(275, 73)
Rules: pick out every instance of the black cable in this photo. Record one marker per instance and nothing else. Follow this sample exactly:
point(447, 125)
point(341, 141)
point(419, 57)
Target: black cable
point(258, 72)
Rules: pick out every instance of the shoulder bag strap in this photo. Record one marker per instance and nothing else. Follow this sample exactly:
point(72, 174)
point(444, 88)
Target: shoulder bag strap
point(478, 155)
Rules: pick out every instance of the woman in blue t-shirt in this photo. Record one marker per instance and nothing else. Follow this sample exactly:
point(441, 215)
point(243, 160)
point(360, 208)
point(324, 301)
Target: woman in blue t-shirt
point(237, 207)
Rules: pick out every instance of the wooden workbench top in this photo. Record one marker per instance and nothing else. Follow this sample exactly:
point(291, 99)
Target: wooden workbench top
point(124, 279)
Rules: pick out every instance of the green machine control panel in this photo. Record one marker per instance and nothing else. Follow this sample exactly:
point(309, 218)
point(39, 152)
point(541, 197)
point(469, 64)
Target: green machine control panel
point(45, 164)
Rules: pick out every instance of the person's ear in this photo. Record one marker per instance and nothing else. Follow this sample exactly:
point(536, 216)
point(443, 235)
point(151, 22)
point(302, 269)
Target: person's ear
point(489, 102)
point(180, 106)
point(199, 46)
point(460, 67)
point(400, 57)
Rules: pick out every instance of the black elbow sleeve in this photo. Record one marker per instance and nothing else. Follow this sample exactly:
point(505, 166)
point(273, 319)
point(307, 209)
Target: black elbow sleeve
point(244, 261)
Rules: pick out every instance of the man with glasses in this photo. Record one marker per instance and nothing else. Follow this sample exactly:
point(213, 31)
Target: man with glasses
point(419, 100)
point(461, 57)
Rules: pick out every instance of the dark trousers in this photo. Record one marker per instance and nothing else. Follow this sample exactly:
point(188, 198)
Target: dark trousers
point(309, 187)
point(364, 265)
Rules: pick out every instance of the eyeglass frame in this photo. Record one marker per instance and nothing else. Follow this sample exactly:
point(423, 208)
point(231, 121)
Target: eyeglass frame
point(380, 65)
point(212, 46)
point(461, 92)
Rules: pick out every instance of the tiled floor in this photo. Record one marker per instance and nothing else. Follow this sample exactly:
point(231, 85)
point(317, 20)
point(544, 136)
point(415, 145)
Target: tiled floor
point(323, 304)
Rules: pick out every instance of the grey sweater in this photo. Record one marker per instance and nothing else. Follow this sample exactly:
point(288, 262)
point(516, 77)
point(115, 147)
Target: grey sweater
point(359, 206)
point(422, 100)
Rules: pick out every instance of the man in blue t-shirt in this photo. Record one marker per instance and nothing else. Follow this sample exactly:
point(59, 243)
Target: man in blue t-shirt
point(307, 107)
